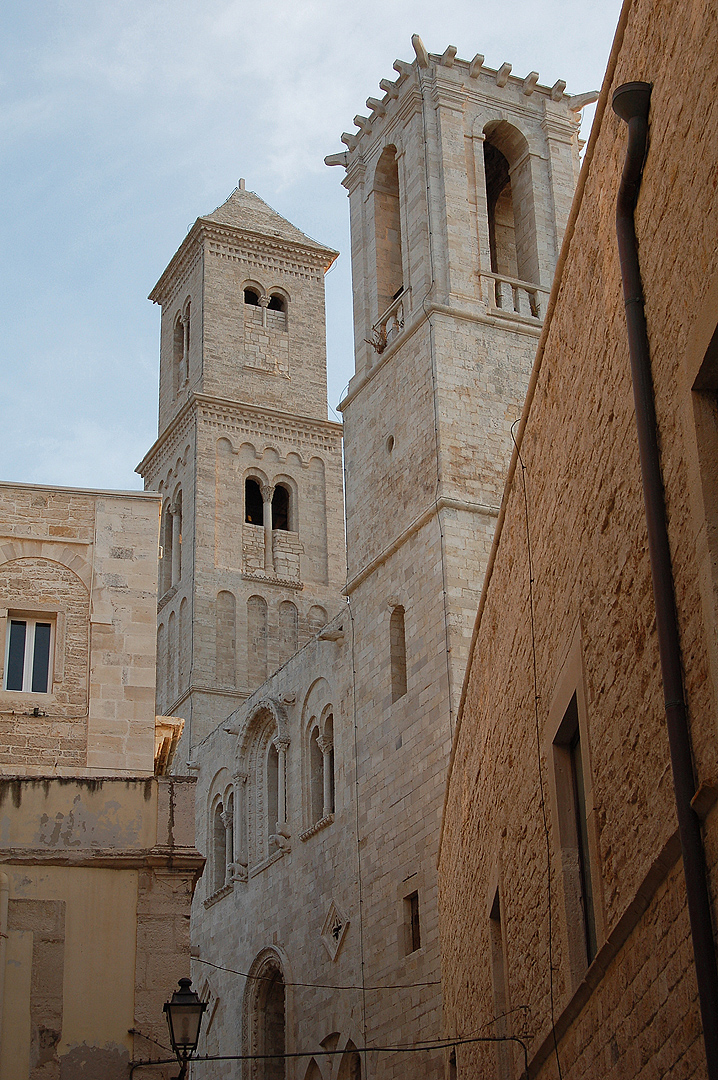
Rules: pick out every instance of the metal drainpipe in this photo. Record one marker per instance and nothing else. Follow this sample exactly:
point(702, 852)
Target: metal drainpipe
point(4, 900)
point(631, 102)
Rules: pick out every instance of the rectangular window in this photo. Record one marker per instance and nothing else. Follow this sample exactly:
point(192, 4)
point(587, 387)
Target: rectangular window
point(573, 832)
point(413, 930)
point(28, 662)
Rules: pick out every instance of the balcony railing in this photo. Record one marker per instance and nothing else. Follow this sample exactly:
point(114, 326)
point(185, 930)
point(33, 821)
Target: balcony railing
point(512, 295)
point(389, 325)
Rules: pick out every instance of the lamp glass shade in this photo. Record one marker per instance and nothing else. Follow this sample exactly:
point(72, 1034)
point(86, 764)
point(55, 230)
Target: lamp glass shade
point(184, 1016)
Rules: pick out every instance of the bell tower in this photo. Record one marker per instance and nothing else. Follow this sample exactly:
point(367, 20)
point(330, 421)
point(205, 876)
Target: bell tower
point(252, 541)
point(460, 181)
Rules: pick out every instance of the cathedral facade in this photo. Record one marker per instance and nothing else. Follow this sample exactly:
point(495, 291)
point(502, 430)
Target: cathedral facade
point(320, 683)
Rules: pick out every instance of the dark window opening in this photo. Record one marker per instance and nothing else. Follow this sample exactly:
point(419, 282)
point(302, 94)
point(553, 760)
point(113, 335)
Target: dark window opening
point(502, 239)
point(277, 303)
point(413, 930)
point(397, 648)
point(253, 504)
point(280, 508)
point(251, 297)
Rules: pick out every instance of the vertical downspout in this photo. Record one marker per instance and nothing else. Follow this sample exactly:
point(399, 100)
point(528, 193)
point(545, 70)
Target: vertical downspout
point(631, 102)
point(4, 899)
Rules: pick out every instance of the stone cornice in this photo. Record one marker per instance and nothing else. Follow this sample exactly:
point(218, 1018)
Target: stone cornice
point(204, 231)
point(159, 857)
point(443, 503)
point(202, 406)
point(511, 322)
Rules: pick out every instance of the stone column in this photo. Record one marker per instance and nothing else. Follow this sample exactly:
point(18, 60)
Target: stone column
point(282, 743)
point(240, 833)
point(176, 544)
point(326, 745)
point(267, 493)
point(228, 822)
point(263, 302)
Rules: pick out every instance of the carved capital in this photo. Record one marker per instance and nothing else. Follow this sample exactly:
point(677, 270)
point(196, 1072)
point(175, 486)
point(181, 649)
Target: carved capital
point(281, 742)
point(227, 816)
point(267, 492)
point(325, 743)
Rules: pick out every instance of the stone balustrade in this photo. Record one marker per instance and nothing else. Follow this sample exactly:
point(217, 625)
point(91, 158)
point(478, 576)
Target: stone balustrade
point(513, 295)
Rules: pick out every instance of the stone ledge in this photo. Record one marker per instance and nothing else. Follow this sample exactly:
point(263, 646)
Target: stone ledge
point(216, 896)
point(272, 579)
point(317, 827)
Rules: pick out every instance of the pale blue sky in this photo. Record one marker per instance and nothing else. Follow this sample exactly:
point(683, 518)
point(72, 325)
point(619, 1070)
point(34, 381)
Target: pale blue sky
point(122, 121)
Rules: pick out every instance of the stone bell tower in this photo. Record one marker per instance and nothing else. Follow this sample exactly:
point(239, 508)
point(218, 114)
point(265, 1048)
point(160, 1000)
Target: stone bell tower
point(460, 181)
point(252, 541)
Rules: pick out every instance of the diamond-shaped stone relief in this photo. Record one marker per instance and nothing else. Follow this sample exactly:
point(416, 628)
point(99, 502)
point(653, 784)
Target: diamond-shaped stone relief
point(333, 930)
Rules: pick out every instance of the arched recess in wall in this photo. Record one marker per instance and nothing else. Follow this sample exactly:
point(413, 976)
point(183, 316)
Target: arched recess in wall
point(313, 1071)
point(183, 660)
point(172, 660)
point(165, 572)
point(47, 650)
point(288, 630)
point(510, 200)
point(316, 618)
point(315, 560)
point(265, 1009)
point(218, 848)
point(161, 693)
point(256, 641)
point(228, 507)
point(350, 1064)
point(226, 639)
point(387, 230)
point(260, 758)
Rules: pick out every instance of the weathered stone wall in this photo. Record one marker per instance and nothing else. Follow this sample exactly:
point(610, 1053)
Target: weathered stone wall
point(98, 876)
point(86, 563)
point(634, 1009)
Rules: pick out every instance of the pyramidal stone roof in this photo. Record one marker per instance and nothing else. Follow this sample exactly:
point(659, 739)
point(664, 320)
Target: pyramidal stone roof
point(245, 210)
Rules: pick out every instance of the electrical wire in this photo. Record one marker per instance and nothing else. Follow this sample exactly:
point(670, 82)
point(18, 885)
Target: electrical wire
point(317, 986)
point(538, 751)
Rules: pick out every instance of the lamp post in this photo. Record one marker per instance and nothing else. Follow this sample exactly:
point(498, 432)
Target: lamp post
point(184, 1018)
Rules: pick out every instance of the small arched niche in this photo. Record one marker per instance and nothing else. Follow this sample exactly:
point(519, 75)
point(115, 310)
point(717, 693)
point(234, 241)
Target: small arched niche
point(387, 230)
point(251, 296)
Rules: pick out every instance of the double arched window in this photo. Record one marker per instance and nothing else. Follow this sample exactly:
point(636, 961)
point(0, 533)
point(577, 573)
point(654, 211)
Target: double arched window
point(273, 305)
point(320, 754)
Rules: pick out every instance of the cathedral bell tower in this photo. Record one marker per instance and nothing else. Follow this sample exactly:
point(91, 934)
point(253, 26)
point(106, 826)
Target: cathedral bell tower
point(252, 541)
point(460, 181)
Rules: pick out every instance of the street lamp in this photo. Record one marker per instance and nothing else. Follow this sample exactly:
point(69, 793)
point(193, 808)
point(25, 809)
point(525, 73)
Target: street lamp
point(184, 1017)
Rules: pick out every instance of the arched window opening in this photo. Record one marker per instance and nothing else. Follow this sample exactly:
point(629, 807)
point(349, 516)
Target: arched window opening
point(397, 638)
point(288, 630)
point(329, 765)
point(387, 230)
point(280, 508)
point(219, 850)
point(165, 574)
point(502, 231)
point(273, 1025)
point(277, 303)
point(510, 203)
point(350, 1065)
point(251, 297)
point(253, 504)
point(316, 766)
point(272, 790)
point(229, 836)
point(313, 1072)
point(178, 352)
